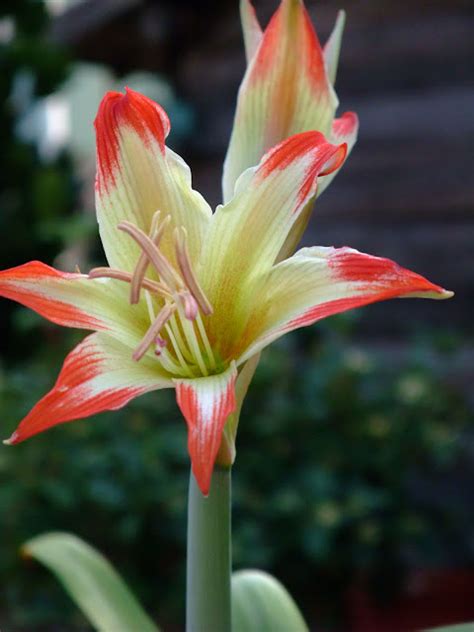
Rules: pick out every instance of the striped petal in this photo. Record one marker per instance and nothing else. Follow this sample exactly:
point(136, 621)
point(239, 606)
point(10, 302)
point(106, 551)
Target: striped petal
point(343, 130)
point(285, 90)
point(319, 282)
point(97, 375)
point(247, 234)
point(138, 175)
point(332, 48)
point(206, 403)
point(250, 28)
point(74, 300)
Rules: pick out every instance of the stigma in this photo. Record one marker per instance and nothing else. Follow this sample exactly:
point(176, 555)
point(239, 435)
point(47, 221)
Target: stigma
point(176, 331)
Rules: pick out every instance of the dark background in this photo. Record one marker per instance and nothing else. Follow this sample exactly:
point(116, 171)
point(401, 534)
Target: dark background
point(353, 482)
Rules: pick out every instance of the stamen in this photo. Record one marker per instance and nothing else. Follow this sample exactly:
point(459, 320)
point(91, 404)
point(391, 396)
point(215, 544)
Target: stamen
point(111, 273)
point(160, 262)
point(189, 304)
point(142, 264)
point(185, 350)
point(185, 266)
point(153, 331)
point(139, 273)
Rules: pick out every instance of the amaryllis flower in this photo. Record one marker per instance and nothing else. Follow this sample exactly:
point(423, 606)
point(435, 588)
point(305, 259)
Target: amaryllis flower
point(190, 297)
point(287, 89)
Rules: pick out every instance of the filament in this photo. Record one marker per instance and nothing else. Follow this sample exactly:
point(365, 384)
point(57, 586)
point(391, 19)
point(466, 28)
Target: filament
point(189, 352)
point(153, 331)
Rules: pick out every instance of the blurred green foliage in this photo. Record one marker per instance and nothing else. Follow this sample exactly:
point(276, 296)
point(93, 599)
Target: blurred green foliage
point(33, 194)
point(333, 444)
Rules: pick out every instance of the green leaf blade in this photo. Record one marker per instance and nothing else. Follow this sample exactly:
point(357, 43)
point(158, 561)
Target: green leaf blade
point(91, 582)
point(260, 603)
point(458, 627)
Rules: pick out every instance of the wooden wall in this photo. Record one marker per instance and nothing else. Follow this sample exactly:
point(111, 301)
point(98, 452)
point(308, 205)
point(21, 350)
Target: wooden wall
point(407, 191)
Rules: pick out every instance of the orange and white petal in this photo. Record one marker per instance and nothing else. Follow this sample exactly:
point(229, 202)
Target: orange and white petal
point(332, 48)
point(285, 90)
point(251, 29)
point(138, 175)
point(343, 130)
point(247, 234)
point(97, 375)
point(206, 403)
point(74, 300)
point(318, 282)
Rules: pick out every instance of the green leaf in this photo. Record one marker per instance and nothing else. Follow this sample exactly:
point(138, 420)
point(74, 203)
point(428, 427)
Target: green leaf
point(260, 603)
point(459, 627)
point(91, 582)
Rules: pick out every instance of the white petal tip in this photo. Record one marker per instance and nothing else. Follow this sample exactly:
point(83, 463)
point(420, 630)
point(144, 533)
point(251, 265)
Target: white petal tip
point(11, 440)
point(446, 294)
point(439, 295)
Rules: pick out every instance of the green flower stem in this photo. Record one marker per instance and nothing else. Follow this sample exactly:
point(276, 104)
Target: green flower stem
point(209, 556)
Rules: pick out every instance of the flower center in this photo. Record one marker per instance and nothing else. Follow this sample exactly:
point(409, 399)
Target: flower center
point(176, 331)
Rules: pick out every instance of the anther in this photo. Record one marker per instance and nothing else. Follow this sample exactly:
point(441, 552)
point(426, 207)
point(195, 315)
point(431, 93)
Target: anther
point(189, 304)
point(186, 269)
point(163, 316)
point(111, 273)
point(160, 262)
point(139, 273)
